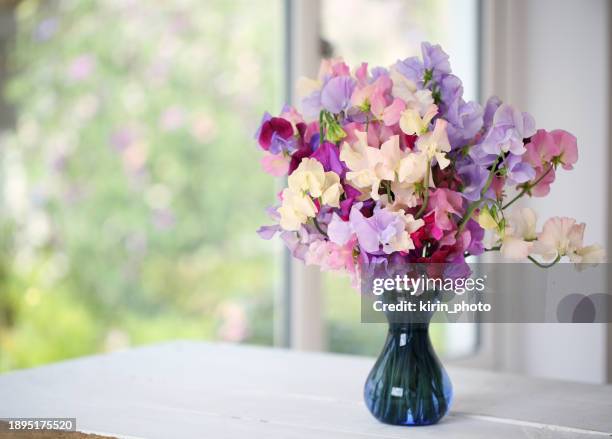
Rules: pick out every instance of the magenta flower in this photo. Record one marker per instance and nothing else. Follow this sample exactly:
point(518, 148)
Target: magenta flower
point(276, 134)
point(328, 155)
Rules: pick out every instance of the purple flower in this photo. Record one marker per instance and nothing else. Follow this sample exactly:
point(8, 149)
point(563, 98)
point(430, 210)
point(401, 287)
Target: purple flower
point(465, 123)
point(336, 93)
point(311, 105)
point(435, 59)
point(509, 128)
point(473, 177)
point(377, 72)
point(517, 170)
point(328, 155)
point(412, 68)
point(493, 103)
point(379, 229)
point(476, 235)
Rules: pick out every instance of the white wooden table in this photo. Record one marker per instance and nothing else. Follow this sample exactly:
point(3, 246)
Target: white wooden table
point(198, 390)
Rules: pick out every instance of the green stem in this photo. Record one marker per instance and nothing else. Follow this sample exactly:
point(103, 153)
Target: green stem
point(426, 194)
point(316, 224)
point(539, 264)
point(476, 204)
point(527, 188)
point(321, 130)
point(388, 189)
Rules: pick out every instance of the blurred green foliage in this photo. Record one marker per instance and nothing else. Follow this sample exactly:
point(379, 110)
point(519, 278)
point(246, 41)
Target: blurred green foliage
point(131, 190)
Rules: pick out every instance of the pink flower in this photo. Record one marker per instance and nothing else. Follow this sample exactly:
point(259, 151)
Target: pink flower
point(545, 151)
point(541, 149)
point(568, 148)
point(560, 236)
point(445, 202)
point(540, 153)
point(275, 165)
point(330, 256)
point(391, 115)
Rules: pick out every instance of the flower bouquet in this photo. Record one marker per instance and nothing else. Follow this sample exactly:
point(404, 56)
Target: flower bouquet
point(392, 164)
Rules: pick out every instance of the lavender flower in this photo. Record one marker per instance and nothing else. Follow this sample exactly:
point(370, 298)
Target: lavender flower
point(336, 93)
point(507, 132)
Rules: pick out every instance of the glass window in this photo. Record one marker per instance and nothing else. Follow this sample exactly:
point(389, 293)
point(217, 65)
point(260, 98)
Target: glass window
point(130, 199)
point(382, 32)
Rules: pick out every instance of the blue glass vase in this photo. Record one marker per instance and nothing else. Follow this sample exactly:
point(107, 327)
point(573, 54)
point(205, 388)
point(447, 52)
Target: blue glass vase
point(408, 385)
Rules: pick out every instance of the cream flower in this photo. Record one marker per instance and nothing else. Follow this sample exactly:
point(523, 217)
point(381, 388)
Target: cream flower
point(402, 241)
point(519, 234)
point(559, 237)
point(362, 161)
point(592, 254)
point(406, 90)
point(295, 209)
point(435, 143)
point(412, 168)
point(390, 156)
point(486, 220)
point(405, 195)
point(412, 122)
point(332, 189)
point(309, 177)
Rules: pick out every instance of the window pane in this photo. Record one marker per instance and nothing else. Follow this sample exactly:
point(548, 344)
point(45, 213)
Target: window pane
point(382, 32)
point(128, 180)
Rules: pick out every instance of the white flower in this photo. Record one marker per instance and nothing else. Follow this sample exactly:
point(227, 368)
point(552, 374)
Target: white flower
point(295, 209)
point(435, 144)
point(369, 166)
point(519, 234)
point(592, 254)
point(412, 168)
point(406, 90)
point(413, 122)
point(559, 237)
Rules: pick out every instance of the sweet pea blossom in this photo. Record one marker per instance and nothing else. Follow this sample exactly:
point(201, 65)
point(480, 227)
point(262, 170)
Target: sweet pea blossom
point(406, 90)
point(332, 189)
point(412, 122)
point(295, 209)
point(413, 168)
point(385, 230)
point(560, 236)
point(435, 144)
point(519, 234)
point(276, 135)
point(331, 256)
point(592, 254)
point(568, 148)
point(309, 177)
point(275, 165)
point(507, 132)
point(435, 61)
point(359, 158)
point(444, 203)
point(366, 164)
point(336, 94)
point(544, 151)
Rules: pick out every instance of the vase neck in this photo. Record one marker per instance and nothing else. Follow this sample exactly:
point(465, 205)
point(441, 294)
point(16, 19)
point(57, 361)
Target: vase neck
point(403, 328)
